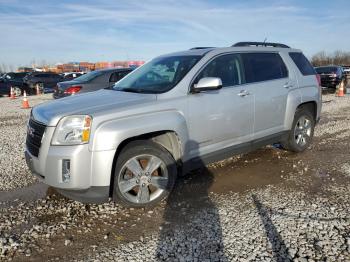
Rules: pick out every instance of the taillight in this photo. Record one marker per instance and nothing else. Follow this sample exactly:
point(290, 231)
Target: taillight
point(318, 77)
point(72, 90)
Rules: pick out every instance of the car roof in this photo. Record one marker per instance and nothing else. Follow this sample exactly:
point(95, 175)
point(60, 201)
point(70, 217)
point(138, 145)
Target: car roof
point(201, 51)
point(43, 73)
point(114, 69)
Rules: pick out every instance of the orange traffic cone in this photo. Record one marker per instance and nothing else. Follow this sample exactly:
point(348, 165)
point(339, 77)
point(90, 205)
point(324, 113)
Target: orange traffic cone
point(341, 90)
point(25, 103)
point(12, 93)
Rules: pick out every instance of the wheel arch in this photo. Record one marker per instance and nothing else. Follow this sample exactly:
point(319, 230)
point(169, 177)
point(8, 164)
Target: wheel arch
point(168, 139)
point(310, 106)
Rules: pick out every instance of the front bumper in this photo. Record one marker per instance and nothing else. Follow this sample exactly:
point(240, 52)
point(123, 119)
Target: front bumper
point(92, 195)
point(88, 170)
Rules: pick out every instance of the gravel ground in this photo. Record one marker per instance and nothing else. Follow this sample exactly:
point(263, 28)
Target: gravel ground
point(13, 171)
point(268, 205)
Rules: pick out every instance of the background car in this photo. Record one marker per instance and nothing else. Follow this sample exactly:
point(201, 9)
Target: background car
point(331, 76)
point(14, 80)
point(89, 82)
point(42, 80)
point(71, 75)
point(347, 71)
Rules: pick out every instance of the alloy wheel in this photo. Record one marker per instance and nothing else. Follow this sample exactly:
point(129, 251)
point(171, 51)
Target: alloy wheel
point(143, 179)
point(302, 131)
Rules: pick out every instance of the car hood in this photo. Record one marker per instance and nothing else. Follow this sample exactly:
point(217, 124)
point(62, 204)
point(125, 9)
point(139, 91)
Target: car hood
point(89, 103)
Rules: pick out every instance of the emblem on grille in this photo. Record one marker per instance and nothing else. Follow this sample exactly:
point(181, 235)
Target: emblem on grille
point(31, 131)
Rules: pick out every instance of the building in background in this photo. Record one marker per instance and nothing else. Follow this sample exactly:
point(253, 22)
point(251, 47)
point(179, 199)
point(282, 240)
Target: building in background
point(134, 64)
point(23, 69)
point(86, 66)
point(82, 66)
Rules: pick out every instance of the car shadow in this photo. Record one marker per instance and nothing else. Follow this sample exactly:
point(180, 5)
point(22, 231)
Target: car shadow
point(191, 230)
point(279, 248)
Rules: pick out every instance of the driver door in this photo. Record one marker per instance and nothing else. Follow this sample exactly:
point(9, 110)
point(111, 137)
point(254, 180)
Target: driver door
point(224, 118)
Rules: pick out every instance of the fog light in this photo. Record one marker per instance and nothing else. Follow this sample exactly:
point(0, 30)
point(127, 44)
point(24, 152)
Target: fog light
point(65, 170)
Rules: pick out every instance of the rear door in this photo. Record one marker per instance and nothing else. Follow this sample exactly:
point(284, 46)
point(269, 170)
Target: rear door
point(270, 82)
point(99, 82)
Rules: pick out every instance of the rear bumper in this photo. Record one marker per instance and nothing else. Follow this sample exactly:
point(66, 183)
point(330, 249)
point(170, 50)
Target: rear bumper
point(331, 83)
point(56, 95)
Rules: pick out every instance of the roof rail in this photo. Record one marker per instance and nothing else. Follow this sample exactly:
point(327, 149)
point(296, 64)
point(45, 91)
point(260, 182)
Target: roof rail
point(240, 44)
point(201, 47)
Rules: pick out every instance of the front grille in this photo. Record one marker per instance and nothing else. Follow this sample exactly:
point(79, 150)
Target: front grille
point(35, 133)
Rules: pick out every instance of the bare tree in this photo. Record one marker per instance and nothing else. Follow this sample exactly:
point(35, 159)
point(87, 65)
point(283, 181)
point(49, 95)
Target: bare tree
point(336, 58)
point(4, 68)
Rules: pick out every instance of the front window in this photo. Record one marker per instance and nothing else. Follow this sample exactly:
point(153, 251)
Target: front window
point(227, 67)
point(157, 76)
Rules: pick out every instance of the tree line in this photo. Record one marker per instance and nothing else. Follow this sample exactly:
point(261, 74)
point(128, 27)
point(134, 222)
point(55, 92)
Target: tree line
point(319, 59)
point(336, 58)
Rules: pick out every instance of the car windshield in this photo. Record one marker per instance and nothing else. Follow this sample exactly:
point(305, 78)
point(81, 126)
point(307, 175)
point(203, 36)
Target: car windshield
point(326, 70)
point(157, 76)
point(89, 76)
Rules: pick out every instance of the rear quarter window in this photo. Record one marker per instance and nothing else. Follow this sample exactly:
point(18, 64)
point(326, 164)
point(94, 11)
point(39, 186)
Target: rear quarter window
point(263, 67)
point(302, 63)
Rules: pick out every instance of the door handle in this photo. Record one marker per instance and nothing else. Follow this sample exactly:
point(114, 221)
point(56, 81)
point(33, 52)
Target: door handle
point(288, 85)
point(243, 93)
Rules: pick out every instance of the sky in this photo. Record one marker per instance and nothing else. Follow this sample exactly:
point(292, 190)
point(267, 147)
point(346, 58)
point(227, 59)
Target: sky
point(55, 31)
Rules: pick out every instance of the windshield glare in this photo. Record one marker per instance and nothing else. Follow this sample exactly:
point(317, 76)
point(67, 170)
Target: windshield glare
point(157, 76)
point(89, 76)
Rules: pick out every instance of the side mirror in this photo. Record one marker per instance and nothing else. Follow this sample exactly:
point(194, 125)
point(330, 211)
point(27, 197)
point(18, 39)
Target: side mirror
point(208, 83)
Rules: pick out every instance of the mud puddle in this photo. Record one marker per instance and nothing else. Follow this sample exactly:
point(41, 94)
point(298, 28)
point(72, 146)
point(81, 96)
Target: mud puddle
point(267, 166)
point(30, 193)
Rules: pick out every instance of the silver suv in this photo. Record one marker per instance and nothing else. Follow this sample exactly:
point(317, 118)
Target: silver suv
point(171, 115)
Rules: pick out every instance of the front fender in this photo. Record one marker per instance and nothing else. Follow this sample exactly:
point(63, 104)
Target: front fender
point(110, 134)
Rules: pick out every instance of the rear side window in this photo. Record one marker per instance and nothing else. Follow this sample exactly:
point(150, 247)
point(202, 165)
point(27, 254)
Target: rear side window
point(116, 76)
point(302, 63)
point(263, 67)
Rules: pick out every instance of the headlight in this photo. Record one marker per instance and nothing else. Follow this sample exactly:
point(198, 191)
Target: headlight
point(72, 130)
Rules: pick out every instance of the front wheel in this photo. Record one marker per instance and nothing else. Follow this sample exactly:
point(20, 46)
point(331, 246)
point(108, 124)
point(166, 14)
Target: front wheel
point(145, 173)
point(300, 136)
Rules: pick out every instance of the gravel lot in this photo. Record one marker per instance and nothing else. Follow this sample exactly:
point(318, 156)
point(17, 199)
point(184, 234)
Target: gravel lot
point(13, 172)
point(268, 205)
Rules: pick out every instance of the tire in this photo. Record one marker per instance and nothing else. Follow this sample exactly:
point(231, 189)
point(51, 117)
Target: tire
point(18, 91)
point(133, 186)
point(40, 86)
point(301, 133)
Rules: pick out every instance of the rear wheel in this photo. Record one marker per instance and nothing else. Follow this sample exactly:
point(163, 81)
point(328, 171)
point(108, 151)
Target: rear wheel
point(39, 86)
point(17, 91)
point(300, 136)
point(145, 173)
